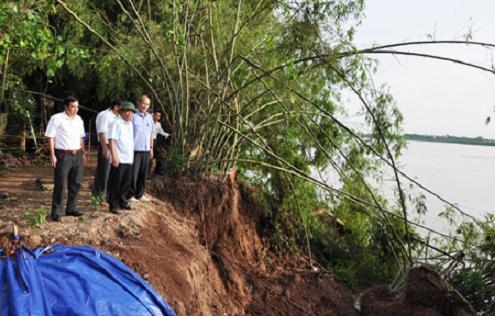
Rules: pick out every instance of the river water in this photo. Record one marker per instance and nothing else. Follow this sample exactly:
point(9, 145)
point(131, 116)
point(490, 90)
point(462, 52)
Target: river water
point(462, 174)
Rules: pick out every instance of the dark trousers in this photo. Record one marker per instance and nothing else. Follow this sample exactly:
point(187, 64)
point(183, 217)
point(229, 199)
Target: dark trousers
point(101, 175)
point(119, 183)
point(69, 169)
point(139, 173)
point(160, 159)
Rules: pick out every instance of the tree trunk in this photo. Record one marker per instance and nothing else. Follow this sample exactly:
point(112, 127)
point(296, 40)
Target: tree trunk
point(22, 139)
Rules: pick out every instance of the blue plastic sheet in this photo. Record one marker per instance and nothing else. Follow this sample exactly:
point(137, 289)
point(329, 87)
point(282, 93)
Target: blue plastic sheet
point(67, 280)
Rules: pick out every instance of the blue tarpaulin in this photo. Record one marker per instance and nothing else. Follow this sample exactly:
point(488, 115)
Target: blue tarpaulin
point(68, 280)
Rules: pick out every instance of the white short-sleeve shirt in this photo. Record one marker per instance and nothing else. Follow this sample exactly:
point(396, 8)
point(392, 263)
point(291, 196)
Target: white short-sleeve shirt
point(103, 120)
point(66, 131)
point(122, 133)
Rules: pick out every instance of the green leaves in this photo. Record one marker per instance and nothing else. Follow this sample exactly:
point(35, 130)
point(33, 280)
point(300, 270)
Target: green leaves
point(474, 274)
point(36, 218)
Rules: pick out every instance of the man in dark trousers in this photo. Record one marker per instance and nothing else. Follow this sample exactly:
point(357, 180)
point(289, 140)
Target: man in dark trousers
point(65, 133)
point(103, 121)
point(143, 149)
point(159, 137)
point(121, 141)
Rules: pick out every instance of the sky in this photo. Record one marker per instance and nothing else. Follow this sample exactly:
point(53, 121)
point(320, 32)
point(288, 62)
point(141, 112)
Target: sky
point(435, 97)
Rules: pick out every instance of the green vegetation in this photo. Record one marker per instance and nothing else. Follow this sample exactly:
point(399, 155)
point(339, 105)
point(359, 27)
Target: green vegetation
point(452, 139)
point(175, 163)
point(472, 267)
point(36, 218)
point(96, 201)
point(259, 85)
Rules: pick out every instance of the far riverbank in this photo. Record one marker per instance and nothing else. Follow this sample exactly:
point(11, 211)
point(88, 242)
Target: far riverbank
point(480, 141)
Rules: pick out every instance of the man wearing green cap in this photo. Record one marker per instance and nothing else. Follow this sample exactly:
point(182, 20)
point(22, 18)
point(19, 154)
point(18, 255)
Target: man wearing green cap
point(121, 141)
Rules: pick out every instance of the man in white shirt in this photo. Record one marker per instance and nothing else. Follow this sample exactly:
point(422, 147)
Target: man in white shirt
point(157, 150)
point(65, 133)
point(103, 120)
point(121, 141)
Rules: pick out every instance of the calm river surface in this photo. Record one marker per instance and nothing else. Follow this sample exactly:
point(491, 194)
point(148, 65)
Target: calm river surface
point(462, 174)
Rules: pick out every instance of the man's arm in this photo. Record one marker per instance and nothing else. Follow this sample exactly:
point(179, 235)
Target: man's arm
point(151, 145)
point(85, 157)
point(113, 150)
point(53, 158)
point(159, 130)
point(112, 135)
point(50, 133)
point(152, 135)
point(102, 139)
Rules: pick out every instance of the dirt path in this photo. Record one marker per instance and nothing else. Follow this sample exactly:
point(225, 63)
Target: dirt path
point(29, 188)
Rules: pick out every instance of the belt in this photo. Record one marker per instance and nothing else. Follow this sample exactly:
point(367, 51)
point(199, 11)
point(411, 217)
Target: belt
point(72, 152)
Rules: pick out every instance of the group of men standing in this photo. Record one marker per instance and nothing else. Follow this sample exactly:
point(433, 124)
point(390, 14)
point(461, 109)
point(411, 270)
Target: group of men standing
point(126, 138)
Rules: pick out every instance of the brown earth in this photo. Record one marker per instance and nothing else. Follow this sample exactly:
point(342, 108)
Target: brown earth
point(199, 243)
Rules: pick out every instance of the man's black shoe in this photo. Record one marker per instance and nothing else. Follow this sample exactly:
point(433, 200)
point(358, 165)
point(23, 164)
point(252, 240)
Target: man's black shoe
point(55, 218)
point(126, 207)
point(114, 211)
point(74, 213)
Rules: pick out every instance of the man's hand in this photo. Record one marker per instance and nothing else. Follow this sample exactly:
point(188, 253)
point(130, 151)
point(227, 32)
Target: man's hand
point(115, 162)
point(53, 160)
point(105, 152)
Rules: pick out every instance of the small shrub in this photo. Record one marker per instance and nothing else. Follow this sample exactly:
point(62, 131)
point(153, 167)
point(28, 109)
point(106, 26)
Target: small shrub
point(176, 162)
point(36, 218)
point(96, 200)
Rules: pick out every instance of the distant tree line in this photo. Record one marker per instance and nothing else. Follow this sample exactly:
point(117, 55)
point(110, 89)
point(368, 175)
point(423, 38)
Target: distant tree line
point(452, 139)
